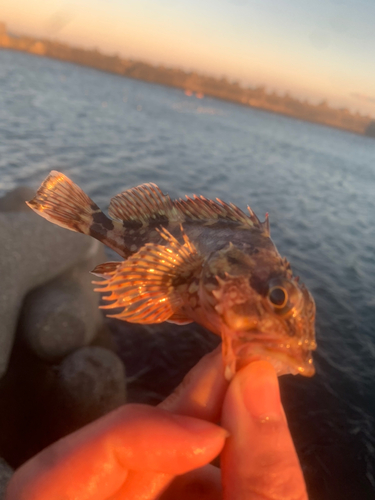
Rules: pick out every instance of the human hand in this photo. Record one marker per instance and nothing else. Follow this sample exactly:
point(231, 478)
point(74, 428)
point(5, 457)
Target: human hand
point(136, 451)
point(259, 460)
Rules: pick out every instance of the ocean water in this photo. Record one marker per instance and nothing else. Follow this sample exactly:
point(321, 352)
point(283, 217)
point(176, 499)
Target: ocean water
point(110, 133)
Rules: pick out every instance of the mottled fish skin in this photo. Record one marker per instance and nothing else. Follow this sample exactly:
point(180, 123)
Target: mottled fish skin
point(194, 260)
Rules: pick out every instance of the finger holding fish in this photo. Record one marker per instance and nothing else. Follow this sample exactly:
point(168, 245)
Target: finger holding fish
point(259, 460)
point(200, 395)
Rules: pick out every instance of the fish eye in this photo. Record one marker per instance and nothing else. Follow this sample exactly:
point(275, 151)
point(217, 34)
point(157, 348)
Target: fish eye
point(278, 296)
point(284, 297)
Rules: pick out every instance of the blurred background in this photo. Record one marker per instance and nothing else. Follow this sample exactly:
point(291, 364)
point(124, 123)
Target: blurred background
point(268, 103)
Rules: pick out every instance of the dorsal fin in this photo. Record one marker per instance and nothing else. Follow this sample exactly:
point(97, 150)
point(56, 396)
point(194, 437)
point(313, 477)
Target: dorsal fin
point(147, 203)
point(200, 208)
point(148, 284)
point(143, 203)
point(266, 225)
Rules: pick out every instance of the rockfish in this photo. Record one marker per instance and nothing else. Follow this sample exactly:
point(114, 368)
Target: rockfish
point(193, 260)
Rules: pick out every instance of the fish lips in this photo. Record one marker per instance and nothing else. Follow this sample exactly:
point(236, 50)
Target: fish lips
point(287, 357)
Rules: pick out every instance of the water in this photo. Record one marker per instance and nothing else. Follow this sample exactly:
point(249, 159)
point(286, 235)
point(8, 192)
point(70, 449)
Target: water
point(109, 133)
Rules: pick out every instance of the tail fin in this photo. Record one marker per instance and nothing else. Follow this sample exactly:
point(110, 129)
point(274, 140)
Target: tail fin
point(62, 202)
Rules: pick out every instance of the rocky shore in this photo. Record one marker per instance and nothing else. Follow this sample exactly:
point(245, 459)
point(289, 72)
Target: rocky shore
point(62, 363)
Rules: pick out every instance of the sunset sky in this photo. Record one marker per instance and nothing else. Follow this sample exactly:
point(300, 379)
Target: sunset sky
point(314, 49)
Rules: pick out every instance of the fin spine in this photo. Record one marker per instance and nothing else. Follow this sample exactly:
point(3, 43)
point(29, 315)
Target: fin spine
point(147, 203)
point(143, 285)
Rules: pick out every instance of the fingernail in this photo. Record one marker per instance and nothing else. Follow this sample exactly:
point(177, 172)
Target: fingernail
point(260, 391)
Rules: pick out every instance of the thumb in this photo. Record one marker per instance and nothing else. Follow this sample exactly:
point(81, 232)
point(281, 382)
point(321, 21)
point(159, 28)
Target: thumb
point(259, 459)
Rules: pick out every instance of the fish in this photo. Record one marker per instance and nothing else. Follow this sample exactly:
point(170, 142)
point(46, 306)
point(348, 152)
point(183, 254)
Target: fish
point(193, 260)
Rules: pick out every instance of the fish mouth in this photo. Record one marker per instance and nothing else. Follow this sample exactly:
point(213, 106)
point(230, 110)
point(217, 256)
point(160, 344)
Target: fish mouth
point(285, 358)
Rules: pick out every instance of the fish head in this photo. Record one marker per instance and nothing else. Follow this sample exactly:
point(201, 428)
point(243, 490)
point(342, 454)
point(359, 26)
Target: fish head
point(263, 312)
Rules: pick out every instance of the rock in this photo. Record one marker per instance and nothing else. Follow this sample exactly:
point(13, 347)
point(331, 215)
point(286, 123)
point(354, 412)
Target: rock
point(91, 383)
point(34, 413)
point(157, 357)
point(32, 252)
point(104, 338)
point(63, 315)
point(26, 392)
point(5, 474)
point(14, 201)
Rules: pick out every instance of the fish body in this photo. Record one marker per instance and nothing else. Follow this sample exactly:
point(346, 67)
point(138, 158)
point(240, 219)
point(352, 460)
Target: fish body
point(193, 260)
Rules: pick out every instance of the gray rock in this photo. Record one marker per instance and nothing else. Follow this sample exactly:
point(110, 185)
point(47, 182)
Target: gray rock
point(91, 383)
point(14, 201)
point(5, 474)
point(26, 392)
point(104, 338)
point(32, 252)
point(63, 315)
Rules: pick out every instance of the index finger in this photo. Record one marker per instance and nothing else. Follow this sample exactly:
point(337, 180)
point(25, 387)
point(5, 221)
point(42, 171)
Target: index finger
point(200, 395)
point(93, 463)
point(259, 459)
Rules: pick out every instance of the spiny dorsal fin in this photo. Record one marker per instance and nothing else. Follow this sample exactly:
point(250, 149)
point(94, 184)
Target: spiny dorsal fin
point(147, 203)
point(145, 285)
point(143, 203)
point(266, 225)
point(200, 208)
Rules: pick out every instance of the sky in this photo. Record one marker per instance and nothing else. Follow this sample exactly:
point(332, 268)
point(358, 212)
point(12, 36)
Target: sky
point(315, 49)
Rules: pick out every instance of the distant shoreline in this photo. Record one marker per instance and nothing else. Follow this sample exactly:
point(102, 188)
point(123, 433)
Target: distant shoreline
point(194, 83)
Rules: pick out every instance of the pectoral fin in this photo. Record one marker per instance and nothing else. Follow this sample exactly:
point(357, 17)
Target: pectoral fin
point(148, 284)
point(106, 270)
point(179, 319)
